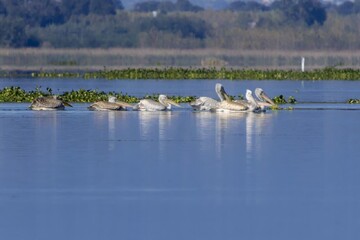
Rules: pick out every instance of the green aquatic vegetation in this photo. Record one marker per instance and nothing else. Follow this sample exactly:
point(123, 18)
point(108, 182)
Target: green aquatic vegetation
point(277, 107)
point(83, 95)
point(56, 75)
point(281, 100)
point(209, 73)
point(291, 100)
point(177, 99)
point(182, 99)
point(16, 94)
point(354, 101)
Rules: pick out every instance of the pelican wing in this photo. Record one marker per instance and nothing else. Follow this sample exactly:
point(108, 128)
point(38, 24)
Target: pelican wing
point(231, 106)
point(102, 105)
point(204, 104)
point(149, 105)
point(49, 102)
point(123, 104)
point(243, 102)
point(43, 103)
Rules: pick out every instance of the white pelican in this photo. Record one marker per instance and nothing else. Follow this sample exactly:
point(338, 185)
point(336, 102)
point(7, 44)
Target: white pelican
point(226, 104)
point(204, 104)
point(151, 105)
point(111, 105)
point(253, 105)
point(207, 103)
point(264, 101)
point(48, 103)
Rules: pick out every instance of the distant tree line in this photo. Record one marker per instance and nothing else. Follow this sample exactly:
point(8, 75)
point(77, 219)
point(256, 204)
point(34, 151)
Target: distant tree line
point(176, 24)
point(166, 6)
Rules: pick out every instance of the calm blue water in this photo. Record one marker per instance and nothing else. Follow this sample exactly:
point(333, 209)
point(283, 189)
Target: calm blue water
point(78, 174)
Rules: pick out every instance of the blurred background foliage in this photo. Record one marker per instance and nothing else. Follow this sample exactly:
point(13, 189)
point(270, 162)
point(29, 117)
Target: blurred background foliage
point(283, 24)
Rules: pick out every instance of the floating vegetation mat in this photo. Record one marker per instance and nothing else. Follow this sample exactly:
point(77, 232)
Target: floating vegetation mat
point(210, 73)
point(17, 94)
point(354, 101)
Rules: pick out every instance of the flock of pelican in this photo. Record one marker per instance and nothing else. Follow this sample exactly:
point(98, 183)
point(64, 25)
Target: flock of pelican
point(224, 104)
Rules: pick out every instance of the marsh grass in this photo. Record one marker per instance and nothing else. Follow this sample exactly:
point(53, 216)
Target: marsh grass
point(50, 59)
point(209, 73)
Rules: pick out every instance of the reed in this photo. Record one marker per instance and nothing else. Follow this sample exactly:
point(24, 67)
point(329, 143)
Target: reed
point(76, 60)
point(211, 73)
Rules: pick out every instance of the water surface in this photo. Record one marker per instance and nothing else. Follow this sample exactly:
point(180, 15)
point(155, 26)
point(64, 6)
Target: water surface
point(78, 174)
point(179, 175)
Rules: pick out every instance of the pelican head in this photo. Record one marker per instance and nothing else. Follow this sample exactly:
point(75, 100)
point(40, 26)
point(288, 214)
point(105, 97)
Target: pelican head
point(249, 95)
point(219, 89)
point(260, 94)
point(254, 106)
point(112, 99)
point(163, 99)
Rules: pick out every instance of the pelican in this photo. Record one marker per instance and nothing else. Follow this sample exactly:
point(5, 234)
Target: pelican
point(207, 103)
point(264, 101)
point(253, 105)
point(204, 104)
point(48, 103)
point(226, 104)
point(150, 105)
point(110, 105)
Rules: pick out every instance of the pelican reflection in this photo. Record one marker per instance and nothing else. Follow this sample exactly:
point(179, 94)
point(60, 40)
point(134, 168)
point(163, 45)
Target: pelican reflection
point(153, 123)
point(108, 122)
point(227, 123)
point(257, 125)
point(155, 127)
